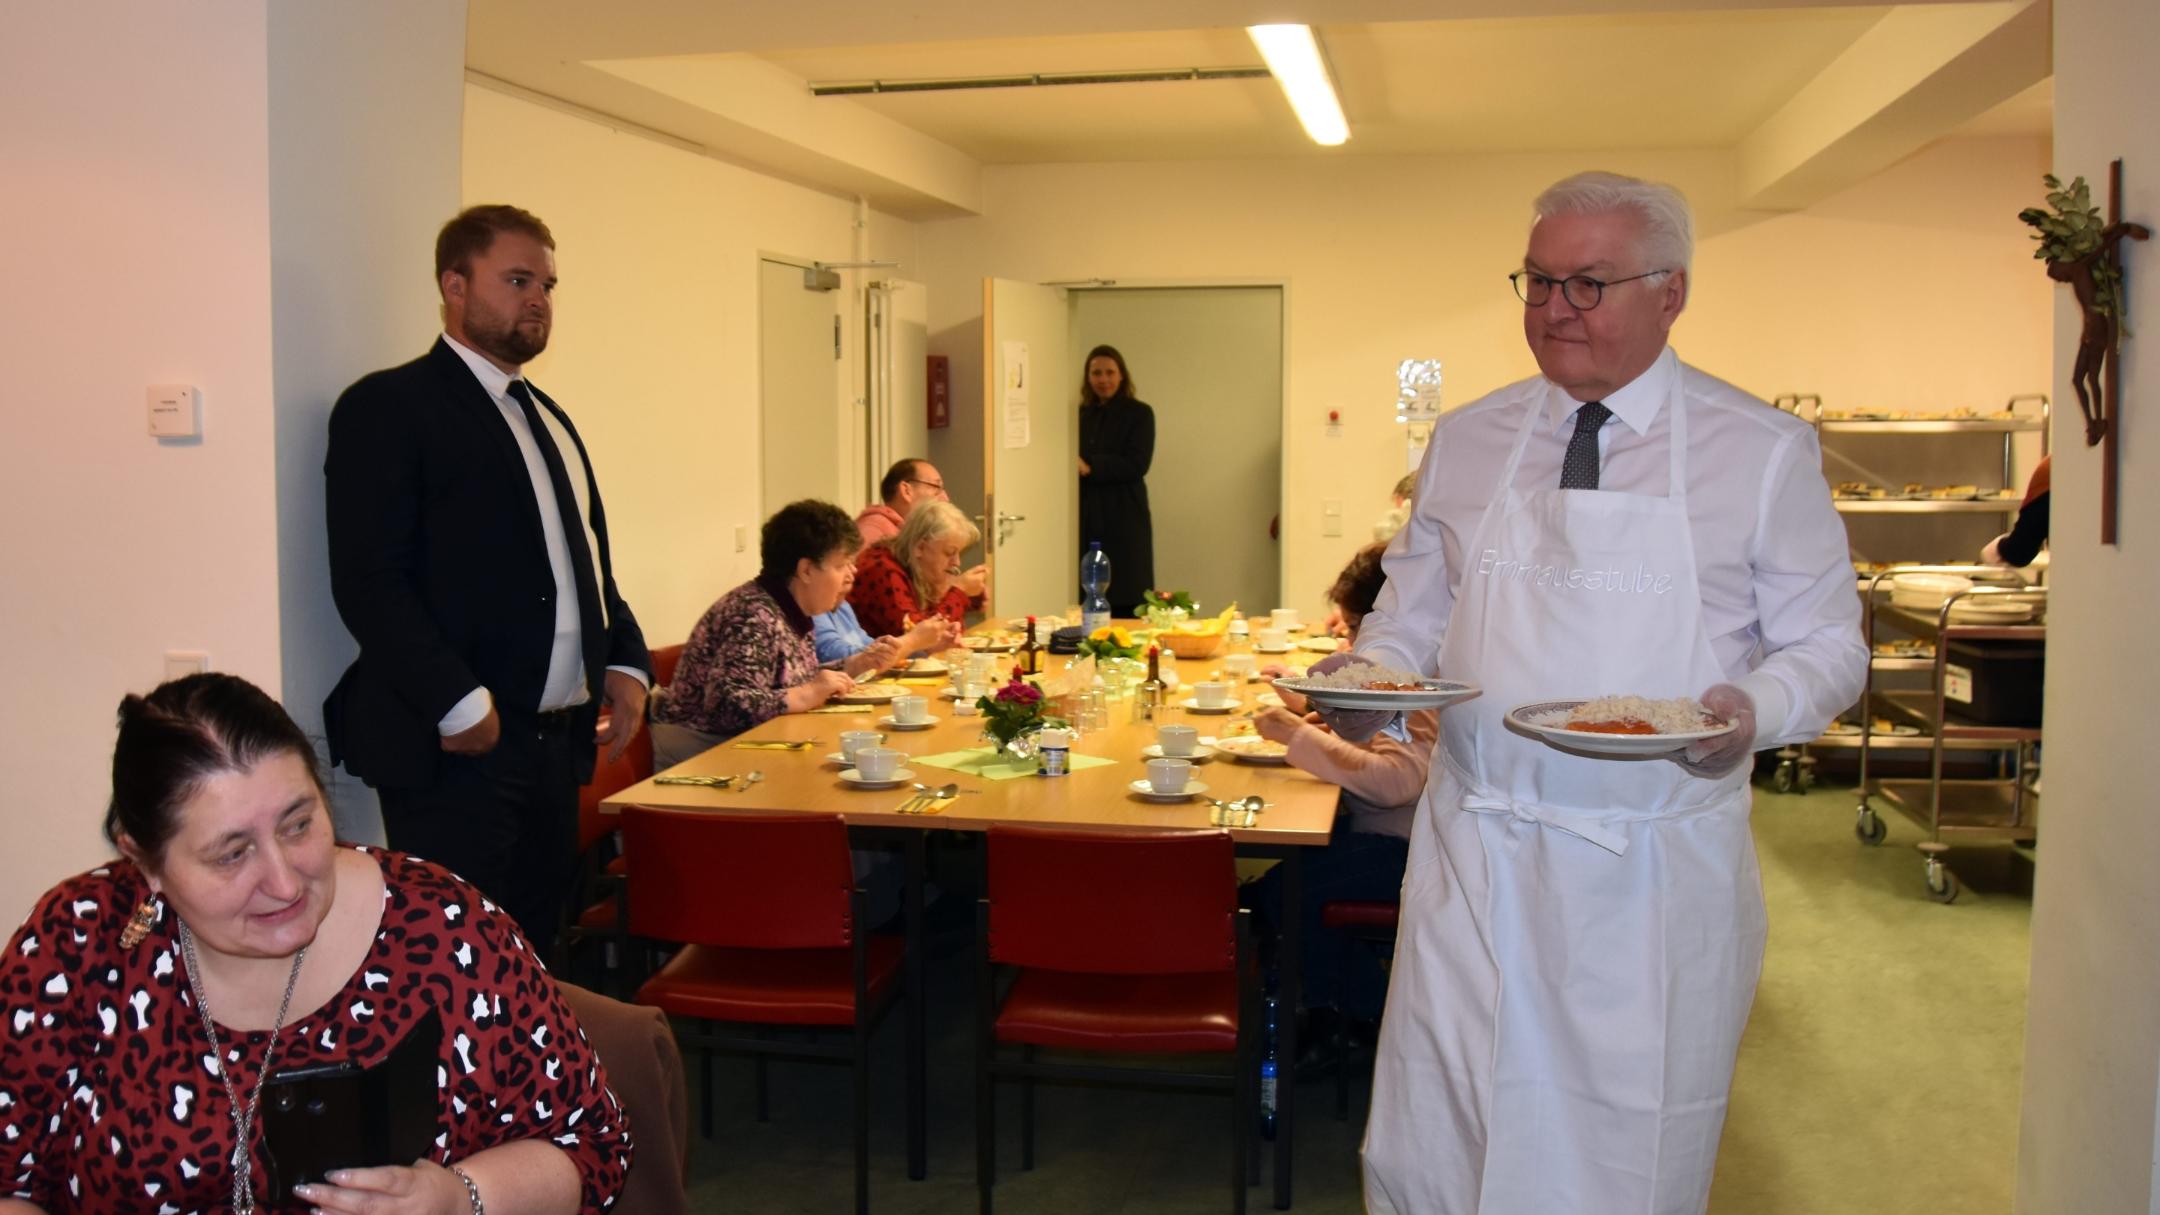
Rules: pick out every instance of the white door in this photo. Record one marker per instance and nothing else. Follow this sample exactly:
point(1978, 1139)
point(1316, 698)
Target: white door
point(1031, 479)
point(899, 328)
point(1209, 360)
point(800, 444)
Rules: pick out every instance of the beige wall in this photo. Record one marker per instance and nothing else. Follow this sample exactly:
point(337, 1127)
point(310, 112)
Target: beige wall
point(655, 351)
point(217, 235)
point(1911, 290)
point(134, 247)
point(2092, 1045)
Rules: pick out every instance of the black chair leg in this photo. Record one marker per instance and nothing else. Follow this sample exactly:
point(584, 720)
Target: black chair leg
point(763, 1093)
point(985, 1053)
point(862, 1118)
point(1027, 1113)
point(705, 1086)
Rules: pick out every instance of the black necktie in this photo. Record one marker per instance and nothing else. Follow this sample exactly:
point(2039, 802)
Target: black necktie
point(1579, 470)
point(581, 558)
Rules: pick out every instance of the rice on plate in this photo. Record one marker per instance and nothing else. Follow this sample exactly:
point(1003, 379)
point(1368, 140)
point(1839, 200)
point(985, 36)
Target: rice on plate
point(1631, 715)
point(1355, 676)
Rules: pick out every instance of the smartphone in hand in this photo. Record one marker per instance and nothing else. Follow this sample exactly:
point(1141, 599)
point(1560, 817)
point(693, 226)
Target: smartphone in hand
point(343, 1116)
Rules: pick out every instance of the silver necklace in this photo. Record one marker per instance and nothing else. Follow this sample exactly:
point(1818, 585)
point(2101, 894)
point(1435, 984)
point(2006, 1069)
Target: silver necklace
point(243, 1163)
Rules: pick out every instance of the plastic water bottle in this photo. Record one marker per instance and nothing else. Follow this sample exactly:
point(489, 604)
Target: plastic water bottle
point(1094, 580)
point(1268, 1064)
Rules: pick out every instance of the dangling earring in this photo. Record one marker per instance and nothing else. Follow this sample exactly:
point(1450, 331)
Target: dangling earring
point(139, 924)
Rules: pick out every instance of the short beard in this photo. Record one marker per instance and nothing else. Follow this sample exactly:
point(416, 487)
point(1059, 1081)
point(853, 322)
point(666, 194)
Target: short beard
point(505, 341)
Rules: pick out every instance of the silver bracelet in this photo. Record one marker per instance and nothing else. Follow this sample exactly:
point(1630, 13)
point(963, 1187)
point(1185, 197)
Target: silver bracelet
point(472, 1192)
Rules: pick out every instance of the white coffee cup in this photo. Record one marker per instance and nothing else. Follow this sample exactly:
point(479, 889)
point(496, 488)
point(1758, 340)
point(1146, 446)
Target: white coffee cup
point(1176, 742)
point(852, 741)
point(1210, 694)
point(1283, 618)
point(910, 710)
point(878, 763)
point(1168, 776)
point(1272, 639)
point(1239, 666)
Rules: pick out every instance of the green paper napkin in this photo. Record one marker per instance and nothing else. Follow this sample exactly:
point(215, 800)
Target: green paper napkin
point(996, 765)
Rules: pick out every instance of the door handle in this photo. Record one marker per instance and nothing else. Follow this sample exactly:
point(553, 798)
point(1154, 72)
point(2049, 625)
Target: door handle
point(1005, 524)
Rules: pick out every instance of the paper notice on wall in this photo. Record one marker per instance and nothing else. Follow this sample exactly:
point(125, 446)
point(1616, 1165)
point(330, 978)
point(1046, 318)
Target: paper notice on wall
point(1017, 379)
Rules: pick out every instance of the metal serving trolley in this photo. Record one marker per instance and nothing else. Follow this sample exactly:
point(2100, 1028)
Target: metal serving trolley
point(1998, 808)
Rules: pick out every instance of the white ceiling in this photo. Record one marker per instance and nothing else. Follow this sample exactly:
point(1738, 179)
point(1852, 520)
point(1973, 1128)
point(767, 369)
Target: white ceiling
point(1496, 75)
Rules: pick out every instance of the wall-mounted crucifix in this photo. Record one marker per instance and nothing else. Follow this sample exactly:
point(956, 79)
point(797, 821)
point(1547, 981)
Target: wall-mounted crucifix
point(2085, 251)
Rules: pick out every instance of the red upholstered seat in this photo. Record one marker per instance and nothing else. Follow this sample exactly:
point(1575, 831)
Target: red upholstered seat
point(1138, 1014)
point(1379, 916)
point(663, 664)
point(771, 986)
point(600, 917)
point(1125, 944)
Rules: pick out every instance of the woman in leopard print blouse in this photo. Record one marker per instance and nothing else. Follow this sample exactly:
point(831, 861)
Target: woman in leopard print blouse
point(111, 1099)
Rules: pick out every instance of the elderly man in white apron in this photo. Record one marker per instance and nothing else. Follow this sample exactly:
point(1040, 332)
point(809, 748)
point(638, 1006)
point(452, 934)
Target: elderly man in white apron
point(1581, 937)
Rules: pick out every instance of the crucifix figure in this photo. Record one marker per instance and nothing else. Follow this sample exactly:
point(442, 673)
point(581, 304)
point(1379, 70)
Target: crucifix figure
point(2096, 342)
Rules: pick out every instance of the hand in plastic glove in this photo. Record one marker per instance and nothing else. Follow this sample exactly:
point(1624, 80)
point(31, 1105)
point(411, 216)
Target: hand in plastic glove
point(1715, 757)
point(1357, 725)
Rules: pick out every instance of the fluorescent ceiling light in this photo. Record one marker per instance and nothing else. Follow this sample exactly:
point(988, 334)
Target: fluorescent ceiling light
point(1293, 55)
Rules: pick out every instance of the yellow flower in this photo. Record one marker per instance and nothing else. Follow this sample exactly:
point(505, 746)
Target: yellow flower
point(1122, 637)
point(1104, 633)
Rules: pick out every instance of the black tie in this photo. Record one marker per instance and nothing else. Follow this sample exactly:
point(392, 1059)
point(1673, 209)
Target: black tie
point(581, 561)
point(1580, 469)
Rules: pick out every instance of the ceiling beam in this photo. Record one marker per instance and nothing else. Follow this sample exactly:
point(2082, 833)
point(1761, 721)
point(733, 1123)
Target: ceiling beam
point(1918, 74)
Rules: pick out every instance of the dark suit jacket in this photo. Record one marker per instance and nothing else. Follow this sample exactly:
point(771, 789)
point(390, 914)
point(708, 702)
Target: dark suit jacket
point(440, 569)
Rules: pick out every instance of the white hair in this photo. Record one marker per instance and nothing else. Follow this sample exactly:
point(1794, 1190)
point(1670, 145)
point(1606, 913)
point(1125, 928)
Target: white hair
point(1668, 240)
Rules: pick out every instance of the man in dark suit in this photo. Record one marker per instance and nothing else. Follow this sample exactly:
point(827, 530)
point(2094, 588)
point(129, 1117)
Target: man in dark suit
point(469, 558)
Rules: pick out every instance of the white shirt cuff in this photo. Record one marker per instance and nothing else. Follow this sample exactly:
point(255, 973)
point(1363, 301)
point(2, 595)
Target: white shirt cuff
point(1773, 708)
point(641, 676)
point(466, 713)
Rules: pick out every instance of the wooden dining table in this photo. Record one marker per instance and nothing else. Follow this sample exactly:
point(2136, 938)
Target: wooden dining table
point(1299, 812)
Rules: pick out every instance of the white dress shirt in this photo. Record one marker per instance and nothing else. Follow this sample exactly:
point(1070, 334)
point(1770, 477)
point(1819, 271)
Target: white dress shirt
point(1771, 552)
point(565, 685)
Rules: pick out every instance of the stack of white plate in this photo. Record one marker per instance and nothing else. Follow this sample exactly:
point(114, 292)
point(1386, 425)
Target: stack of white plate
point(1926, 592)
point(1993, 609)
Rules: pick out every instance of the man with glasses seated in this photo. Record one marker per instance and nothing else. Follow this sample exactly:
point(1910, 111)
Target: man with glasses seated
point(1581, 936)
point(905, 484)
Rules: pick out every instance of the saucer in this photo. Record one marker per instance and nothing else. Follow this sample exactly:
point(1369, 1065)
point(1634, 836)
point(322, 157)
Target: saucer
point(1201, 753)
point(900, 776)
point(893, 723)
point(1143, 789)
point(1272, 649)
point(1191, 704)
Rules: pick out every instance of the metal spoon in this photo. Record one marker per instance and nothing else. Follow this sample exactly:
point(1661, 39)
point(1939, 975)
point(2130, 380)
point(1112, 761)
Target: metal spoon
point(750, 778)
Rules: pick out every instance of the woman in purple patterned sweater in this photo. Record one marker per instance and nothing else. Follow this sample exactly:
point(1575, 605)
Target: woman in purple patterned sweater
point(752, 657)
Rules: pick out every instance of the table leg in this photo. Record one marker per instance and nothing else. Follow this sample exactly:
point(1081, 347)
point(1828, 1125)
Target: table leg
point(1293, 914)
point(913, 846)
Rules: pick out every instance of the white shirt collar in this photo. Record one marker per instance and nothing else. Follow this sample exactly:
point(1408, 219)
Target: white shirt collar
point(493, 378)
point(1636, 403)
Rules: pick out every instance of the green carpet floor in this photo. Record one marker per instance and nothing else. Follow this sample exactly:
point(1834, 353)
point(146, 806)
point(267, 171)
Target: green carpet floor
point(1879, 1074)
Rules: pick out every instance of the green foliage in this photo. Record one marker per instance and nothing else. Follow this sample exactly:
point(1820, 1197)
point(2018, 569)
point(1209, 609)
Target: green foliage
point(2068, 230)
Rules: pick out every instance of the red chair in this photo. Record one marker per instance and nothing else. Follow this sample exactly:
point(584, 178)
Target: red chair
point(1373, 922)
point(766, 907)
point(663, 664)
point(1129, 943)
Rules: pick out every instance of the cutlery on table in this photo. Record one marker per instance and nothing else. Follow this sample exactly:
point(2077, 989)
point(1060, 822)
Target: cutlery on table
point(709, 782)
point(749, 778)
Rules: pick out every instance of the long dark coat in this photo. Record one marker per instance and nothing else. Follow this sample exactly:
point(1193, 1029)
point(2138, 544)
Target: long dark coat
point(1117, 439)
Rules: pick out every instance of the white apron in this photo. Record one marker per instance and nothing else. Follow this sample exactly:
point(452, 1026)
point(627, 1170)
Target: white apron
point(1580, 937)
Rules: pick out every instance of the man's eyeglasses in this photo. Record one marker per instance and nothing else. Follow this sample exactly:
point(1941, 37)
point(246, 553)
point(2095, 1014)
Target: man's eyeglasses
point(939, 486)
point(1580, 290)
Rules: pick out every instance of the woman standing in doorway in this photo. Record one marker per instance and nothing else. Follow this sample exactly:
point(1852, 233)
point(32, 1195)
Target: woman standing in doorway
point(1117, 443)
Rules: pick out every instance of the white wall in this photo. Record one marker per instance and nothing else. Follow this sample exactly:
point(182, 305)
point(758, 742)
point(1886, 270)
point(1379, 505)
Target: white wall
point(365, 103)
point(1912, 289)
point(656, 339)
point(134, 247)
point(2093, 1036)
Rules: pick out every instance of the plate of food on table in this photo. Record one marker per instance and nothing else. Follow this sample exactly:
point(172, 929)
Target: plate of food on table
point(1619, 725)
point(1253, 749)
point(1368, 685)
point(870, 694)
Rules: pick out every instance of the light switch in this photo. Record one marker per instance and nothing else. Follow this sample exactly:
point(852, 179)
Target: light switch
point(179, 664)
point(742, 537)
point(1331, 516)
point(175, 411)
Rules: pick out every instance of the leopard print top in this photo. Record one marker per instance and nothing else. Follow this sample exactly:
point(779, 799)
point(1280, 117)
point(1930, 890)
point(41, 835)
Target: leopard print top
point(110, 1101)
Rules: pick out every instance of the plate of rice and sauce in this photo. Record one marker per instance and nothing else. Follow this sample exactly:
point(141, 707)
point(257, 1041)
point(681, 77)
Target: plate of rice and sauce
point(1367, 685)
point(1618, 725)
